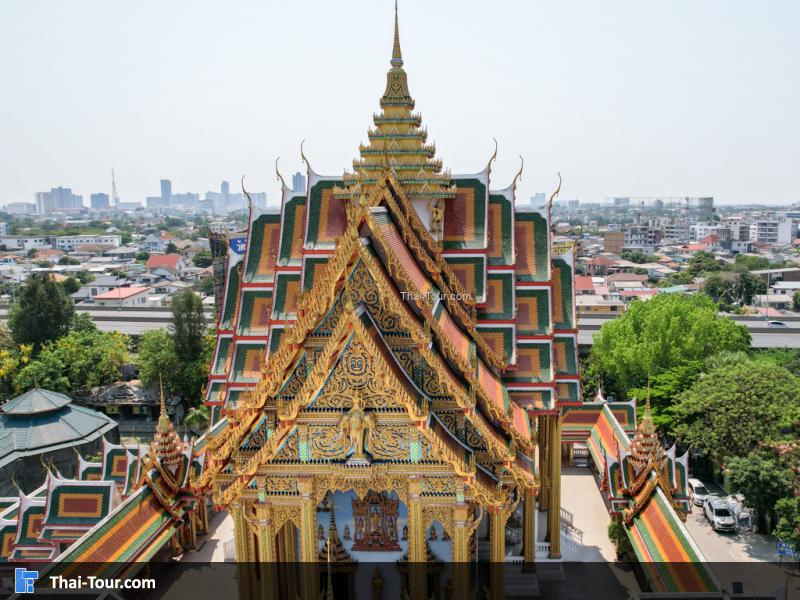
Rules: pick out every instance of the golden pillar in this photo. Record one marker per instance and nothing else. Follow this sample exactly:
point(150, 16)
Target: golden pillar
point(529, 526)
point(460, 551)
point(497, 533)
point(287, 558)
point(554, 515)
point(308, 537)
point(241, 532)
point(417, 548)
point(497, 539)
point(544, 462)
point(267, 554)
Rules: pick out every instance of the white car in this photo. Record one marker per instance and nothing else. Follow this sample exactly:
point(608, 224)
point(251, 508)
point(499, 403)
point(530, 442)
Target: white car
point(719, 515)
point(697, 492)
point(776, 324)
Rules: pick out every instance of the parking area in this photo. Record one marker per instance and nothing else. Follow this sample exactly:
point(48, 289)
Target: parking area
point(743, 556)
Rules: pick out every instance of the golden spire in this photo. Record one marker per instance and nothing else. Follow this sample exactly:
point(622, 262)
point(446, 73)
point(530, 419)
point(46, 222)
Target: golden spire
point(163, 419)
point(397, 56)
point(166, 443)
point(398, 143)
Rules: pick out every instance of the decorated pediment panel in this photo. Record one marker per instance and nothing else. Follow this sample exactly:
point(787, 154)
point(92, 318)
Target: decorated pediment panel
point(359, 374)
point(361, 288)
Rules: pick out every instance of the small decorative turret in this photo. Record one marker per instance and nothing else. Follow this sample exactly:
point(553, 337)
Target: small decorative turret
point(166, 443)
point(645, 445)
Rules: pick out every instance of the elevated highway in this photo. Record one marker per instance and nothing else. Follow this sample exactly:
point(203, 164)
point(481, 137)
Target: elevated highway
point(135, 321)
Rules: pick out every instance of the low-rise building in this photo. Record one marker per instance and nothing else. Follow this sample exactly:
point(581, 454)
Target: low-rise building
point(68, 243)
point(169, 266)
point(124, 297)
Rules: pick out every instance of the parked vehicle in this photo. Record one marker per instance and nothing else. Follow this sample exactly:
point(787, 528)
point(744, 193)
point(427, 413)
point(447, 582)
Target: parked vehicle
point(719, 515)
point(697, 492)
point(742, 514)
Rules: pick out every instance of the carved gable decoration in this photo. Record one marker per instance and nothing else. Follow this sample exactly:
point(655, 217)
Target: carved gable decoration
point(358, 373)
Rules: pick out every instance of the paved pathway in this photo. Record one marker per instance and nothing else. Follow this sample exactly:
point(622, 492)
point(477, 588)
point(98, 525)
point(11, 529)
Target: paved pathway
point(202, 574)
point(744, 556)
point(581, 496)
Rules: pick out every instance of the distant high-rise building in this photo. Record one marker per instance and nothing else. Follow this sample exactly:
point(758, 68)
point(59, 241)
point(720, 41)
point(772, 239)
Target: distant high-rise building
point(99, 201)
point(21, 208)
point(260, 199)
point(57, 199)
point(298, 182)
point(166, 190)
point(538, 199)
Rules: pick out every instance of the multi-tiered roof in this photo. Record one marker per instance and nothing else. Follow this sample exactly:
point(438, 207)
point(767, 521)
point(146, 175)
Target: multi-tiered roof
point(452, 286)
point(398, 142)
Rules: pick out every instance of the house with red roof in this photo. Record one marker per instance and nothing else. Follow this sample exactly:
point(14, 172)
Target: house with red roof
point(712, 243)
point(599, 265)
point(584, 285)
point(169, 266)
point(124, 296)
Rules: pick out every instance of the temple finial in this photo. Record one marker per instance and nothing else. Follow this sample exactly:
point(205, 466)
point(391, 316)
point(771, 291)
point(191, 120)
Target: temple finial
point(397, 56)
point(163, 418)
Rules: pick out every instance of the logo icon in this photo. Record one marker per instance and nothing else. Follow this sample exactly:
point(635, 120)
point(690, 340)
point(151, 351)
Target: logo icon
point(24, 580)
point(238, 244)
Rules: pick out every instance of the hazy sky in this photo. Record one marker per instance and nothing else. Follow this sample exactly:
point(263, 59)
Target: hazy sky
point(679, 97)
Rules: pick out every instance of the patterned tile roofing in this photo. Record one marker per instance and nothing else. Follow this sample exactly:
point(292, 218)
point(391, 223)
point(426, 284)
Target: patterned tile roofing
point(35, 401)
point(69, 425)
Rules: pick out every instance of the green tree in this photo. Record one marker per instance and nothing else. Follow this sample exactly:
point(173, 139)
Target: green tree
point(197, 417)
point(207, 285)
point(42, 312)
point(752, 263)
point(142, 256)
point(68, 260)
point(762, 480)
point(82, 322)
point(730, 410)
point(85, 277)
point(636, 256)
point(788, 358)
point(787, 514)
point(71, 285)
point(653, 337)
point(202, 259)
point(171, 248)
point(82, 359)
point(796, 301)
point(704, 262)
point(157, 358)
point(188, 325)
point(730, 289)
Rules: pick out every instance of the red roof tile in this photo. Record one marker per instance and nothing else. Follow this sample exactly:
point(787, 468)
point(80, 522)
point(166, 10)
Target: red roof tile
point(121, 293)
point(169, 261)
point(583, 283)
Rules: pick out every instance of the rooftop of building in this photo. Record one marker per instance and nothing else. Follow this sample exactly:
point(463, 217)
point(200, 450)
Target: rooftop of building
point(122, 293)
point(163, 261)
point(42, 421)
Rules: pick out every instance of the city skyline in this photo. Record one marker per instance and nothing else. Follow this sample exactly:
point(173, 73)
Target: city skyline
point(704, 106)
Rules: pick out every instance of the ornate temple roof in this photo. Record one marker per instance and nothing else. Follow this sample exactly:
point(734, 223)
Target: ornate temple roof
point(166, 444)
point(645, 447)
point(398, 142)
